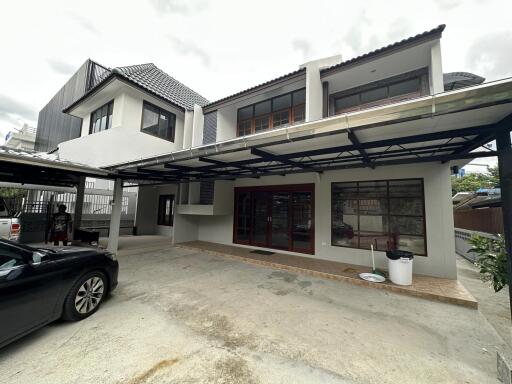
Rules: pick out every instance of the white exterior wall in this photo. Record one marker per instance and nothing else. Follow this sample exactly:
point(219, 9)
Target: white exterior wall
point(197, 129)
point(436, 69)
point(124, 141)
point(227, 113)
point(438, 207)
point(147, 210)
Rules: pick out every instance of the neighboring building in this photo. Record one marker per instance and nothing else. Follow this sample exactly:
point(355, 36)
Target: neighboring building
point(325, 160)
point(22, 139)
point(54, 126)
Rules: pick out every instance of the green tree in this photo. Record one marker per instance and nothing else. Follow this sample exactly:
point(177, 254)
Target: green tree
point(474, 181)
point(491, 260)
point(7, 192)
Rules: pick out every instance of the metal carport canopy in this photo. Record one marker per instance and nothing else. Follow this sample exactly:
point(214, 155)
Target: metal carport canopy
point(444, 127)
point(17, 166)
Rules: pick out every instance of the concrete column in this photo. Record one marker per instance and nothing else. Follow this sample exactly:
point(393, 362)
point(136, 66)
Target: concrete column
point(198, 123)
point(314, 87)
point(79, 204)
point(115, 217)
point(314, 91)
point(188, 127)
point(436, 69)
point(504, 147)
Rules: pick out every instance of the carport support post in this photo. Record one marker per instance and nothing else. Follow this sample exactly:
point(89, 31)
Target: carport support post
point(115, 217)
point(504, 147)
point(79, 205)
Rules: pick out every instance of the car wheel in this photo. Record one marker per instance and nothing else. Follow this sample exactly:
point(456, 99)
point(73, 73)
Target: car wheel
point(85, 296)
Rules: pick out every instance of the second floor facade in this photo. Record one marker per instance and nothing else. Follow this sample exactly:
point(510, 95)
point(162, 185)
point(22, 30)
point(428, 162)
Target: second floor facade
point(139, 112)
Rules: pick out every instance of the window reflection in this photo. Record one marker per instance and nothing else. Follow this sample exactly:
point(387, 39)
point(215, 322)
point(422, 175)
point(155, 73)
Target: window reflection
point(387, 214)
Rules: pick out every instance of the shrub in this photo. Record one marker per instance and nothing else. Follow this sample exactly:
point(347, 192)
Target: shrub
point(491, 260)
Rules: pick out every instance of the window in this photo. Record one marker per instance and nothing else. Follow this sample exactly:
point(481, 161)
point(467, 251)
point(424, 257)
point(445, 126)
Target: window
point(9, 258)
point(101, 119)
point(277, 112)
point(372, 95)
point(383, 213)
point(166, 210)
point(158, 122)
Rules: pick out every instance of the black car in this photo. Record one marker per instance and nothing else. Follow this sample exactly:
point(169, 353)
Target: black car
point(39, 285)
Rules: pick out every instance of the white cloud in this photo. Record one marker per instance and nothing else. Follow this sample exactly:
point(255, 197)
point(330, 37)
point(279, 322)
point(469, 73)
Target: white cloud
point(223, 46)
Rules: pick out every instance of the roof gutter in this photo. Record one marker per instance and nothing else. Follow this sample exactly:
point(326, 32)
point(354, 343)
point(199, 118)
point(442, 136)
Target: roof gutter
point(480, 96)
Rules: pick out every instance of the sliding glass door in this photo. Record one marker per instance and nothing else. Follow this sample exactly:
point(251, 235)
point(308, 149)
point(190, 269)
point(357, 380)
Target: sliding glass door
point(280, 217)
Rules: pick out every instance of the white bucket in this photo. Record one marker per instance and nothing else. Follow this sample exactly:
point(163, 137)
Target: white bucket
point(400, 271)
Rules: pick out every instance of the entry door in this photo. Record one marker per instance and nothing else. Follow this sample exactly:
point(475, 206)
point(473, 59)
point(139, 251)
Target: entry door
point(280, 220)
point(280, 217)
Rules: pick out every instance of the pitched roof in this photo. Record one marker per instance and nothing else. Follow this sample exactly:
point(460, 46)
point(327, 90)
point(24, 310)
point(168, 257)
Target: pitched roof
point(433, 33)
point(256, 87)
point(356, 60)
point(152, 79)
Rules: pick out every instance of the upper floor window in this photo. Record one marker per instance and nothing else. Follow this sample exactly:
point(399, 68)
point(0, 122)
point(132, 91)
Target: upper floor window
point(383, 92)
point(101, 119)
point(277, 112)
point(158, 122)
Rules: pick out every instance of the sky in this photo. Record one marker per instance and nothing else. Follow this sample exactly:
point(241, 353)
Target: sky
point(220, 47)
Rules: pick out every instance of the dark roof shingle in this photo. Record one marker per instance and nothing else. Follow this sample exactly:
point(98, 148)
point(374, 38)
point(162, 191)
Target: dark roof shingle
point(399, 44)
point(152, 78)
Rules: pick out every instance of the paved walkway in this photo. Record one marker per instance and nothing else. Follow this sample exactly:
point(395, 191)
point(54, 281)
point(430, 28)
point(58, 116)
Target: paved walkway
point(444, 290)
point(180, 316)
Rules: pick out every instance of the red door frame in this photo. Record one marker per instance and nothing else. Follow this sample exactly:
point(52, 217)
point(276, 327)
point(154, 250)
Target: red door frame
point(269, 189)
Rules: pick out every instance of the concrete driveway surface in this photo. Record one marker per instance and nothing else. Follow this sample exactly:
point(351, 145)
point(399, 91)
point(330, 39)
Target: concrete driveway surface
point(179, 316)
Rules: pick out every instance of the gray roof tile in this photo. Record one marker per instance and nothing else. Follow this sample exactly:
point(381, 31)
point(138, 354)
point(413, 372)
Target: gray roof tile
point(152, 78)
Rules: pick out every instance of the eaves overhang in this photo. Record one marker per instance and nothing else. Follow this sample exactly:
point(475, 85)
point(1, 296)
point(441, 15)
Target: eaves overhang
point(117, 76)
point(439, 128)
point(421, 38)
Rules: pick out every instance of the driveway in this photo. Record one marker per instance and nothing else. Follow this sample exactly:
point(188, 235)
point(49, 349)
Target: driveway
point(179, 316)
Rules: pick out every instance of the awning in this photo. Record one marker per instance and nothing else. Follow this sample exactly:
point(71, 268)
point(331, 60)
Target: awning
point(440, 128)
point(17, 166)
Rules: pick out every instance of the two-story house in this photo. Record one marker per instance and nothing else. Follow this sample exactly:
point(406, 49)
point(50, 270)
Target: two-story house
point(326, 160)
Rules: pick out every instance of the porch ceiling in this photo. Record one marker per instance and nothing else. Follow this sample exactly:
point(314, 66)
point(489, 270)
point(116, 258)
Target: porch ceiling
point(440, 128)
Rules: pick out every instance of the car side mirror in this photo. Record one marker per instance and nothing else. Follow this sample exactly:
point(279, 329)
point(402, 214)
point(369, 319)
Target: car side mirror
point(38, 258)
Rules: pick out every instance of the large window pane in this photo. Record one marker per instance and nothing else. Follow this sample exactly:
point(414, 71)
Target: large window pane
point(158, 122)
point(373, 229)
point(383, 213)
point(299, 113)
point(245, 113)
point(301, 220)
point(150, 119)
point(347, 102)
point(262, 108)
point(374, 95)
point(243, 216)
point(101, 118)
point(404, 87)
point(282, 102)
point(280, 119)
point(406, 206)
point(299, 97)
point(261, 123)
point(244, 128)
point(406, 188)
point(344, 220)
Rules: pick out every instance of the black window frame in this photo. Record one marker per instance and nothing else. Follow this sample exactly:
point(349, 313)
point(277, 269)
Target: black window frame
point(108, 123)
point(421, 75)
point(291, 110)
point(160, 110)
point(388, 214)
point(161, 214)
